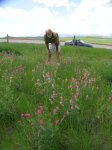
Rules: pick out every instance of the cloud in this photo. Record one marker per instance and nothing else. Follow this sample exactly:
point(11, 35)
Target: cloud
point(93, 17)
point(70, 5)
point(19, 22)
point(52, 3)
point(87, 18)
point(109, 2)
point(55, 12)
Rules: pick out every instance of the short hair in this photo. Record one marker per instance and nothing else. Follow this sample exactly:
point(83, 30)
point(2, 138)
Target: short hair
point(48, 30)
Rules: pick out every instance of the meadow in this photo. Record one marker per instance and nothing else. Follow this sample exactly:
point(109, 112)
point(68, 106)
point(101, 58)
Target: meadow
point(92, 39)
point(55, 106)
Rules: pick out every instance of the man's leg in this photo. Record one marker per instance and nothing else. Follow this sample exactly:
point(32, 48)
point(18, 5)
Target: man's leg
point(49, 56)
point(58, 53)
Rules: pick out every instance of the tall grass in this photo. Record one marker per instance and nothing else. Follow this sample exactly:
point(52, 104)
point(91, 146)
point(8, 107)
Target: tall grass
point(64, 106)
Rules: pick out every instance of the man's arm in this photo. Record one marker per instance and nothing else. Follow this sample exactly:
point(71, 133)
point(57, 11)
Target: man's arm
point(49, 53)
point(57, 47)
point(46, 42)
point(47, 47)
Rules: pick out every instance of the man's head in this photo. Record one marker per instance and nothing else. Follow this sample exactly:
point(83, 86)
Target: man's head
point(49, 33)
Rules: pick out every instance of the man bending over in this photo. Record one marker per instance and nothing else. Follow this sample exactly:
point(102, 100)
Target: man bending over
point(52, 42)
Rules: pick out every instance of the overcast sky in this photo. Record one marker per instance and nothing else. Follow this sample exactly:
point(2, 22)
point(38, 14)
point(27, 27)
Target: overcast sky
point(33, 17)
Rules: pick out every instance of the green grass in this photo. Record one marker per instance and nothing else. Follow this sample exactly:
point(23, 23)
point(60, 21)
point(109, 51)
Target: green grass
point(106, 40)
point(77, 93)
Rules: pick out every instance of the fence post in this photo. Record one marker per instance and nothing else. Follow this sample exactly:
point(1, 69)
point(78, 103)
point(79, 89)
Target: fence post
point(74, 41)
point(7, 38)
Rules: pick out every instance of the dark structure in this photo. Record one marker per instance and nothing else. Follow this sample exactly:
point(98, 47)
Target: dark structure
point(77, 42)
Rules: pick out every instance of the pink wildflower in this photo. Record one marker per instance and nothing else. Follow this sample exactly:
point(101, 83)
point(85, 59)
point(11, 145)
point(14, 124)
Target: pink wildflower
point(31, 123)
point(64, 116)
point(41, 92)
point(67, 112)
point(49, 79)
point(57, 121)
point(41, 107)
point(33, 70)
point(95, 79)
point(27, 115)
point(10, 77)
point(61, 97)
point(75, 96)
point(39, 131)
point(87, 96)
point(73, 79)
point(71, 86)
point(61, 102)
point(57, 107)
point(53, 86)
point(49, 99)
point(54, 111)
point(52, 96)
point(22, 115)
point(41, 122)
point(72, 107)
point(77, 93)
point(109, 97)
point(71, 101)
point(38, 112)
point(76, 107)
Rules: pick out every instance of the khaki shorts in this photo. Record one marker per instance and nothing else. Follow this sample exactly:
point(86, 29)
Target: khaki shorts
point(52, 47)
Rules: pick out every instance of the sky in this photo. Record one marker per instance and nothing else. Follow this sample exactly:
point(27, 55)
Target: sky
point(33, 17)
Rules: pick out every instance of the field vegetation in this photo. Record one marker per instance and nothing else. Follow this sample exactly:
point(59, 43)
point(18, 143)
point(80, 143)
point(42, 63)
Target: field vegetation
point(55, 106)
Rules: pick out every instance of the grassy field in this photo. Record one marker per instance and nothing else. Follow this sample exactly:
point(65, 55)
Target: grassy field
point(105, 40)
point(66, 106)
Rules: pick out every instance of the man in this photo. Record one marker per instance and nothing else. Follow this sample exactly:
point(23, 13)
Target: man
point(52, 42)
